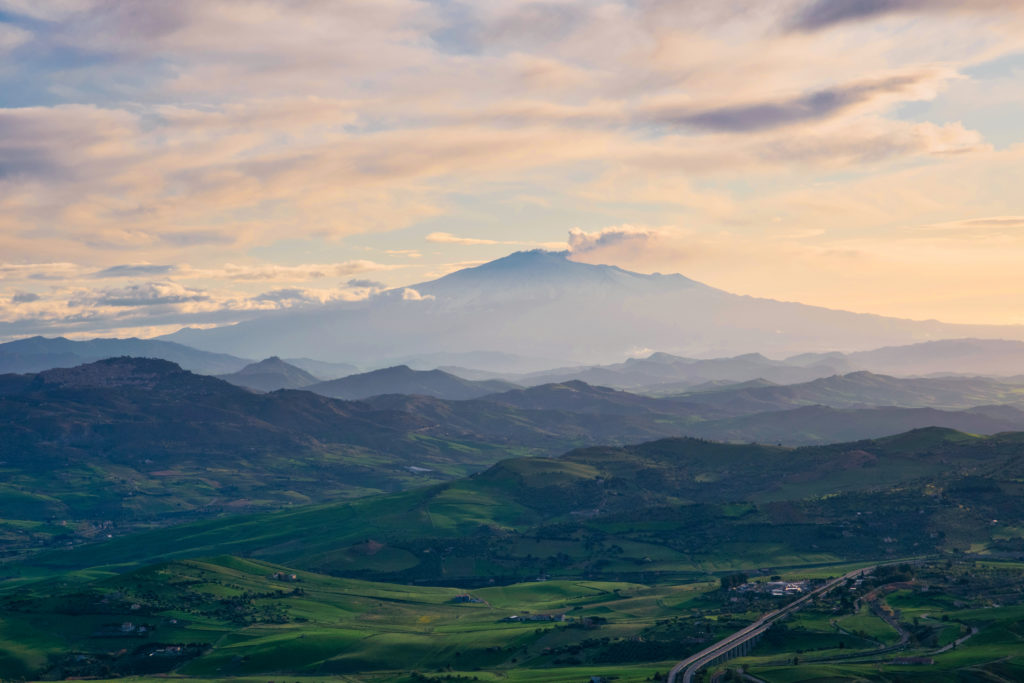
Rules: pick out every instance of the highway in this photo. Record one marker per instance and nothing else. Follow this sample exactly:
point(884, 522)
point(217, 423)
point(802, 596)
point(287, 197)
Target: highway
point(691, 665)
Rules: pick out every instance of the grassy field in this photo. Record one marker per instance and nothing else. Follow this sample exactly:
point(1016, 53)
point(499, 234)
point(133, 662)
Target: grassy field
point(236, 619)
point(247, 617)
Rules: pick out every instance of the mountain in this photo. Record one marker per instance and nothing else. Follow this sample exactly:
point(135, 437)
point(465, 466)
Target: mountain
point(494, 361)
point(817, 425)
point(271, 374)
point(323, 370)
point(671, 505)
point(136, 441)
point(131, 440)
point(663, 373)
point(40, 353)
point(842, 408)
point(578, 397)
point(543, 305)
point(994, 357)
point(862, 389)
point(401, 379)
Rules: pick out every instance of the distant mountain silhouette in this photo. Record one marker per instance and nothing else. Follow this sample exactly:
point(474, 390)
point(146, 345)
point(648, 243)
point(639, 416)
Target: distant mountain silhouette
point(401, 379)
point(863, 389)
point(996, 357)
point(35, 354)
point(323, 370)
point(663, 373)
point(271, 374)
point(543, 305)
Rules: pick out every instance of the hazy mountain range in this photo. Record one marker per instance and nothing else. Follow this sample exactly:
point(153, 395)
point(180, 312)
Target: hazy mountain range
point(138, 440)
point(401, 379)
point(541, 304)
point(35, 354)
point(667, 374)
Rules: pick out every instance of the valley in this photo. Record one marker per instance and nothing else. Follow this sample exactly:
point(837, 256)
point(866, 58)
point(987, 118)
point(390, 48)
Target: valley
point(432, 527)
point(518, 341)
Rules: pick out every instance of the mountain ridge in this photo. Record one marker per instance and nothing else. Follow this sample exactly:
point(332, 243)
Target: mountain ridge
point(35, 354)
point(401, 379)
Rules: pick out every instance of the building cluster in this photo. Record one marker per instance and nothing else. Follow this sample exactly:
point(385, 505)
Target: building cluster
point(522, 618)
point(774, 588)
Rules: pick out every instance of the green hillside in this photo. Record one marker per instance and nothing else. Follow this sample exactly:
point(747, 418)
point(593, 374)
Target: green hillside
point(232, 617)
point(129, 442)
point(674, 507)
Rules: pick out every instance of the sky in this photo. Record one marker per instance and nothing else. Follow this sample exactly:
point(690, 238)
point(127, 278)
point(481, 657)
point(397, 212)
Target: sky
point(192, 162)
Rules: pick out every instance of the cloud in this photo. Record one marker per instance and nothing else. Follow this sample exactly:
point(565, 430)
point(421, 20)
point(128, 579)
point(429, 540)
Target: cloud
point(25, 297)
point(409, 294)
point(309, 271)
point(821, 14)
point(143, 269)
point(991, 227)
point(371, 284)
point(279, 295)
point(581, 242)
point(52, 10)
point(448, 238)
point(39, 271)
point(147, 294)
point(821, 104)
point(195, 238)
point(12, 37)
point(981, 223)
point(288, 297)
point(136, 134)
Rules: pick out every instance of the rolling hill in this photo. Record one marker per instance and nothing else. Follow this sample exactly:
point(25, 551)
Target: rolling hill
point(132, 441)
point(128, 441)
point(673, 505)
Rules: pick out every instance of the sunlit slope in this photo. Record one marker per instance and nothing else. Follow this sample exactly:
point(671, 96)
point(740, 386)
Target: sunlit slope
point(244, 617)
point(671, 505)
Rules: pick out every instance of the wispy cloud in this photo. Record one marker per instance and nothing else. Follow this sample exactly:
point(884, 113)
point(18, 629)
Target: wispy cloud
point(812, 106)
point(134, 135)
point(448, 238)
point(144, 270)
point(820, 14)
point(147, 294)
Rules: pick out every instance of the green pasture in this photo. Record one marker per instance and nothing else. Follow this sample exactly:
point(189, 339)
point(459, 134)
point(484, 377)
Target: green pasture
point(250, 621)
